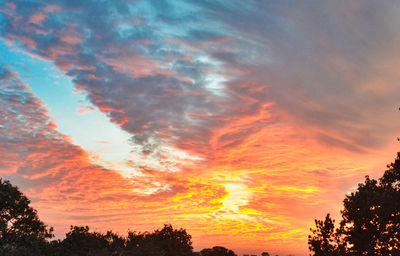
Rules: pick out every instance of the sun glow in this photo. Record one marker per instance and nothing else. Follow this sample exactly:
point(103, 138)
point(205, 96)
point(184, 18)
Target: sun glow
point(237, 196)
point(195, 114)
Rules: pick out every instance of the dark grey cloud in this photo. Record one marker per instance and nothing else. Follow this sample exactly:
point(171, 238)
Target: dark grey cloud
point(329, 65)
point(152, 67)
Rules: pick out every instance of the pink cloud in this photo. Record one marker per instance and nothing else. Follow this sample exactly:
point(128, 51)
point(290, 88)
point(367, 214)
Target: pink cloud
point(298, 116)
point(37, 18)
point(71, 39)
point(84, 110)
point(51, 8)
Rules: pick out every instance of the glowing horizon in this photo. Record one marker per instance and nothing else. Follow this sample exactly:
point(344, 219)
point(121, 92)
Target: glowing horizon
point(241, 122)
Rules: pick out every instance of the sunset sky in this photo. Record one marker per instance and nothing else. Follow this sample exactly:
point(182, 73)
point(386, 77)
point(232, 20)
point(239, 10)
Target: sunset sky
point(240, 121)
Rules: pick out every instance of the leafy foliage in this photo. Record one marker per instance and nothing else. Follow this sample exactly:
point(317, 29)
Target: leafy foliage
point(80, 241)
point(21, 231)
point(217, 251)
point(164, 242)
point(370, 222)
point(23, 234)
point(325, 240)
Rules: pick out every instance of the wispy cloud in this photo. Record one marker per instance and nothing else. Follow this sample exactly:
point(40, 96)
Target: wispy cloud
point(250, 117)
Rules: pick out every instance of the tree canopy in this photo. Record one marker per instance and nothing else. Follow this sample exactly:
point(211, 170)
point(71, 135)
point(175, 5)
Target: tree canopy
point(166, 242)
point(21, 231)
point(370, 222)
point(217, 251)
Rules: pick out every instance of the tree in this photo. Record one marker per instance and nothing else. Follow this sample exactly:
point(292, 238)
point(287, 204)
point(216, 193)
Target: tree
point(165, 242)
point(21, 231)
point(23, 234)
point(217, 251)
point(172, 241)
point(79, 241)
point(371, 215)
point(370, 222)
point(142, 244)
point(116, 243)
point(325, 241)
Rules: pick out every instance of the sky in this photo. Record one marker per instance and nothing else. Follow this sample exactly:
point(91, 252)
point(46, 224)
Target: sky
point(240, 121)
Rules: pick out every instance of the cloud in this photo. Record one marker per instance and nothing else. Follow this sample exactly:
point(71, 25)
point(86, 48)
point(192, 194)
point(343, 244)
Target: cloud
point(145, 90)
point(303, 65)
point(287, 101)
point(329, 67)
point(68, 189)
point(36, 154)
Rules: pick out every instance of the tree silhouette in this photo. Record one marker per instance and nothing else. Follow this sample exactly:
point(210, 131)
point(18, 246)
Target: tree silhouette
point(23, 234)
point(80, 241)
point(21, 231)
point(217, 251)
point(370, 222)
point(165, 242)
point(325, 241)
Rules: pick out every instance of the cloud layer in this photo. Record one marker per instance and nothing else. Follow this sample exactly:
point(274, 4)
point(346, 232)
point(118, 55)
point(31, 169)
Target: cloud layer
point(250, 117)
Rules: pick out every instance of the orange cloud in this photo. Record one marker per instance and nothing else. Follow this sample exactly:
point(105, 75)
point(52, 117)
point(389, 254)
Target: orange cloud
point(242, 134)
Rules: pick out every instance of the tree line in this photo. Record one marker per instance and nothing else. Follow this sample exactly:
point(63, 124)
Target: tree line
point(369, 225)
point(22, 233)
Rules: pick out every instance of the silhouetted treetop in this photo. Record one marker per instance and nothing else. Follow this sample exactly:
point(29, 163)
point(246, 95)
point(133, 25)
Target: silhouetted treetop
point(370, 222)
point(21, 230)
point(168, 241)
point(23, 234)
point(217, 251)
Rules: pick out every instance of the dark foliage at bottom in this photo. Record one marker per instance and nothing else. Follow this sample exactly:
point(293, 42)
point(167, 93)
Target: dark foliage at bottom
point(23, 234)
